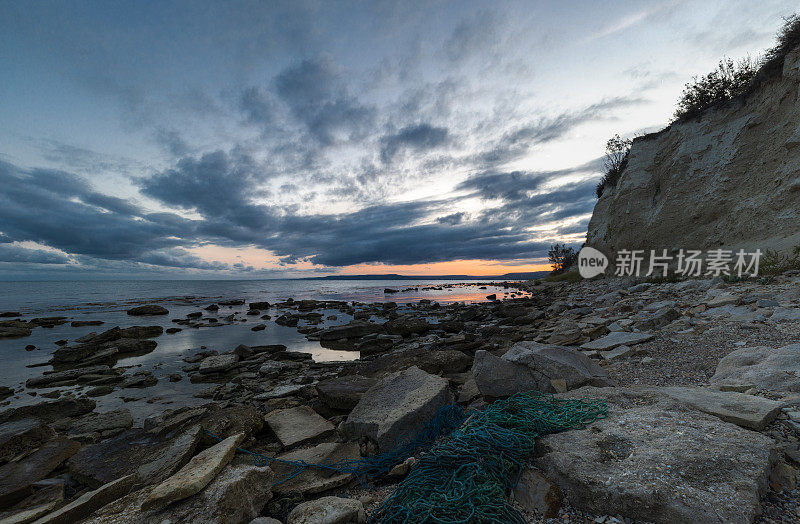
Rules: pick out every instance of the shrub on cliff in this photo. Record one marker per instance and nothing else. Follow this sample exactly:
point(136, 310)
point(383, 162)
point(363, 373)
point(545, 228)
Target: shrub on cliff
point(788, 38)
point(561, 257)
point(728, 81)
point(617, 150)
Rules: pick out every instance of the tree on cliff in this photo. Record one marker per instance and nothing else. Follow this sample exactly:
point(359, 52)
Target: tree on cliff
point(617, 150)
point(729, 80)
point(561, 257)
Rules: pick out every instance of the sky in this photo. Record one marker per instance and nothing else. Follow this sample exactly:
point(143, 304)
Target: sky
point(251, 139)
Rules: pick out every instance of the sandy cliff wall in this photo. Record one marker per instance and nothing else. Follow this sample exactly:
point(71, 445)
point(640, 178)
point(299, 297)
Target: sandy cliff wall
point(730, 179)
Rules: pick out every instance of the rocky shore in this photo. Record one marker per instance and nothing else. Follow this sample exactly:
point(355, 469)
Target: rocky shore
point(702, 380)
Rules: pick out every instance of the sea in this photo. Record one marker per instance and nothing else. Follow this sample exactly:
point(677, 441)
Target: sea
point(109, 300)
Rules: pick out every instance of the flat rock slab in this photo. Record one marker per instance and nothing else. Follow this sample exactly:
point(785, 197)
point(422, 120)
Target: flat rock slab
point(747, 411)
point(397, 407)
point(51, 411)
point(344, 392)
point(529, 366)
point(656, 459)
point(151, 456)
point(150, 309)
point(617, 338)
point(107, 421)
point(314, 480)
point(195, 475)
point(328, 510)
point(88, 503)
point(218, 363)
point(771, 369)
point(23, 435)
point(236, 495)
point(68, 376)
point(298, 425)
point(16, 477)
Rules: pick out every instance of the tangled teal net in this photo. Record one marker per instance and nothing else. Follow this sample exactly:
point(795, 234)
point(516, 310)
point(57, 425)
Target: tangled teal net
point(465, 477)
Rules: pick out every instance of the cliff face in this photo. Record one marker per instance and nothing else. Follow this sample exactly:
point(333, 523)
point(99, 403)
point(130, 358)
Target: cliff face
point(730, 179)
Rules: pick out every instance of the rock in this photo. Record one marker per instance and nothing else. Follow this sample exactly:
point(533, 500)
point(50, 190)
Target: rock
point(51, 411)
point(654, 459)
point(258, 327)
point(780, 314)
point(535, 493)
point(142, 332)
point(618, 353)
point(617, 338)
point(274, 368)
point(351, 330)
point(102, 423)
point(42, 502)
point(659, 319)
point(313, 480)
point(5, 392)
point(328, 510)
point(148, 310)
point(531, 366)
point(173, 330)
point(747, 411)
point(15, 329)
point(23, 435)
point(195, 475)
point(434, 362)
point(398, 406)
point(235, 496)
point(10, 314)
point(259, 305)
point(299, 425)
point(771, 369)
point(90, 502)
point(151, 456)
point(565, 334)
point(16, 477)
point(406, 325)
point(722, 299)
point(265, 520)
point(231, 420)
point(218, 363)
point(68, 377)
point(344, 392)
point(140, 379)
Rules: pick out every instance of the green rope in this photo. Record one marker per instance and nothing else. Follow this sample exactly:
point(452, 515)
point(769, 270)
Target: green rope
point(465, 477)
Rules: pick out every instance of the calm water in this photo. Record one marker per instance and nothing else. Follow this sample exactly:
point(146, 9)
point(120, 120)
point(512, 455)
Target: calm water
point(109, 300)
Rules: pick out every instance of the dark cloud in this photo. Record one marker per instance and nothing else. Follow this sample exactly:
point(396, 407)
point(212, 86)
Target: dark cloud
point(180, 258)
point(318, 97)
point(18, 254)
point(477, 34)
point(258, 106)
point(452, 219)
point(420, 137)
point(171, 141)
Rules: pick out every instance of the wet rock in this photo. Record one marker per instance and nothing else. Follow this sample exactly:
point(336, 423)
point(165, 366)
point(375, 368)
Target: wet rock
point(5, 392)
point(531, 366)
point(23, 435)
point(195, 475)
point(151, 309)
point(274, 368)
point(142, 332)
point(407, 325)
point(140, 379)
point(258, 327)
point(299, 425)
point(10, 314)
point(68, 377)
point(15, 329)
point(314, 480)
point(654, 458)
point(218, 363)
point(617, 338)
point(16, 477)
point(88, 503)
point(151, 456)
point(430, 361)
point(259, 305)
point(232, 420)
point(328, 510)
point(772, 369)
point(351, 330)
point(51, 411)
point(398, 406)
point(100, 424)
point(344, 392)
point(82, 323)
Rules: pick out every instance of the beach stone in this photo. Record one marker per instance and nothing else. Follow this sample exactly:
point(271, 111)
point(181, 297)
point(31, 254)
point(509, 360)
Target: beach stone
point(274, 368)
point(151, 309)
point(351, 330)
point(780, 314)
point(659, 319)
point(565, 334)
point(16, 477)
point(140, 379)
point(236, 495)
point(531, 366)
point(88, 503)
point(747, 411)
point(655, 459)
point(70, 376)
point(618, 353)
point(344, 392)
point(312, 480)
point(771, 369)
point(228, 421)
point(49, 412)
point(142, 332)
point(407, 325)
point(722, 299)
point(617, 338)
point(22, 435)
point(152, 457)
point(298, 425)
point(398, 406)
point(265, 520)
point(102, 422)
point(328, 510)
point(44, 500)
point(195, 475)
point(537, 494)
point(15, 328)
point(218, 363)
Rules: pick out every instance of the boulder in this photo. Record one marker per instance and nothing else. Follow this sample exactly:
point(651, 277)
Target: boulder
point(237, 495)
point(344, 392)
point(104, 424)
point(50, 411)
point(140, 379)
point(23, 435)
point(398, 406)
point(142, 332)
point(195, 475)
point(218, 363)
point(529, 366)
point(16, 477)
point(771, 369)
point(312, 480)
point(747, 411)
point(351, 330)
point(565, 334)
point(406, 325)
point(151, 309)
point(68, 377)
point(537, 494)
point(617, 338)
point(298, 425)
point(328, 510)
point(656, 459)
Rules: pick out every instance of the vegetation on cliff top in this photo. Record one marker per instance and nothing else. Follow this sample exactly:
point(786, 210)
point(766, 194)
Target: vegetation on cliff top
point(617, 151)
